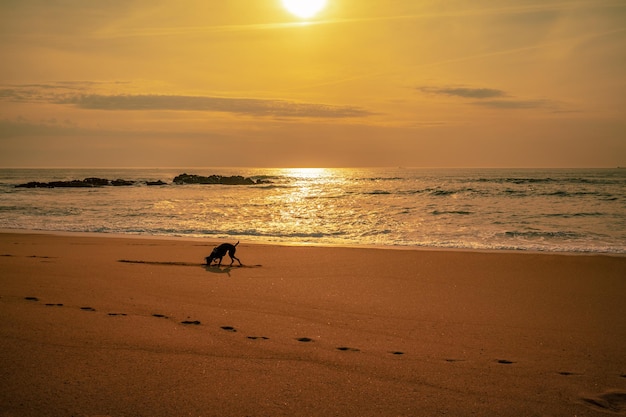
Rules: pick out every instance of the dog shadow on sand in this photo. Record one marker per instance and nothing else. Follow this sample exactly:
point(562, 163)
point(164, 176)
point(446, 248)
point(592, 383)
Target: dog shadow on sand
point(219, 269)
point(225, 269)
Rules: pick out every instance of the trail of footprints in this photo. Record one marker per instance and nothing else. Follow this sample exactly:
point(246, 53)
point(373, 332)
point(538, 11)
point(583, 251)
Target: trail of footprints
point(190, 322)
point(612, 401)
point(231, 329)
point(303, 340)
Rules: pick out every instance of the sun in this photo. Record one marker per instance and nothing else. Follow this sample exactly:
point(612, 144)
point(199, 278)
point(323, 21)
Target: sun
point(304, 8)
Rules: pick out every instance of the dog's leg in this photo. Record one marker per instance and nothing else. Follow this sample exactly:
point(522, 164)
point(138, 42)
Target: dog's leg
point(233, 257)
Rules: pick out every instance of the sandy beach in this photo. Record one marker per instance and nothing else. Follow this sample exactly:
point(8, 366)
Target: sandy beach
point(119, 326)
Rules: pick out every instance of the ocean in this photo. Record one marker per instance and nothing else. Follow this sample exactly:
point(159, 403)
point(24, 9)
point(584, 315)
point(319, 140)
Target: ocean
point(551, 210)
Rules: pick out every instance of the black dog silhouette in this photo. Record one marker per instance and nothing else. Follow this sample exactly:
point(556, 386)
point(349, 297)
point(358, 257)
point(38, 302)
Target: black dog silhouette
point(220, 251)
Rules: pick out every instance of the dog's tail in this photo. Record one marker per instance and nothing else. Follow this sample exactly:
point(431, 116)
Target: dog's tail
point(236, 244)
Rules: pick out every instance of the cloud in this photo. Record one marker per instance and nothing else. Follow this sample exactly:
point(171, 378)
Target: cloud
point(69, 93)
point(490, 97)
point(515, 104)
point(249, 106)
point(52, 92)
point(465, 92)
point(22, 95)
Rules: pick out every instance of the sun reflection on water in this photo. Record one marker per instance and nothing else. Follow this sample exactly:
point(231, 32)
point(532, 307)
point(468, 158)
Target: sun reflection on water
point(309, 207)
point(307, 172)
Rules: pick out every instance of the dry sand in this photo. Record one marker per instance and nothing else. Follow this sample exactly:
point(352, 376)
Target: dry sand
point(306, 331)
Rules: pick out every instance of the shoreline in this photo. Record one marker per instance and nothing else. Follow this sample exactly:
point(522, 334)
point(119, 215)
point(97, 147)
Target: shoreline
point(217, 241)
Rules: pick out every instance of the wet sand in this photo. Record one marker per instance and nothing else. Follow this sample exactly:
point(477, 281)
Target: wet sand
point(110, 326)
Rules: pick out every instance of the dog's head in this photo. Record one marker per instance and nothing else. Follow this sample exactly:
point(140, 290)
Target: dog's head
point(214, 255)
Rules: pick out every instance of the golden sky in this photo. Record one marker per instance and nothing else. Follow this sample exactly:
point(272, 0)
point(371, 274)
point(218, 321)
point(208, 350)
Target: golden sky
point(456, 83)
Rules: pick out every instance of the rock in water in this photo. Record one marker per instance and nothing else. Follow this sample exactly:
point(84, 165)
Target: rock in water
point(213, 179)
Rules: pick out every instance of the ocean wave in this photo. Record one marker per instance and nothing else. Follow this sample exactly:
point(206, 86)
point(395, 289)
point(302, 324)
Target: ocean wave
point(538, 246)
point(377, 179)
point(273, 187)
point(323, 197)
point(543, 234)
point(442, 192)
point(220, 233)
point(563, 193)
point(517, 180)
point(462, 212)
point(570, 215)
point(437, 192)
point(550, 180)
point(376, 232)
point(515, 193)
point(42, 211)
point(280, 234)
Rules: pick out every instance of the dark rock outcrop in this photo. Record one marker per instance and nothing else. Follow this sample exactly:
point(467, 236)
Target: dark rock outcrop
point(35, 184)
point(124, 183)
point(215, 179)
point(180, 179)
point(86, 183)
point(96, 182)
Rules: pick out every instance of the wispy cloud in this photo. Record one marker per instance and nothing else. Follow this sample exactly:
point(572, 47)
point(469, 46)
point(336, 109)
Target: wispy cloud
point(516, 104)
point(489, 97)
point(52, 92)
point(465, 92)
point(67, 94)
point(249, 106)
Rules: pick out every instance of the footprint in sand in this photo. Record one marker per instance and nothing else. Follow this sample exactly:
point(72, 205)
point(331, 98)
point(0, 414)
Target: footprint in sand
point(568, 373)
point(117, 314)
point(161, 316)
point(194, 322)
point(505, 361)
point(614, 401)
point(31, 298)
point(258, 337)
point(229, 329)
point(348, 349)
point(304, 339)
point(397, 352)
point(54, 305)
point(88, 309)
